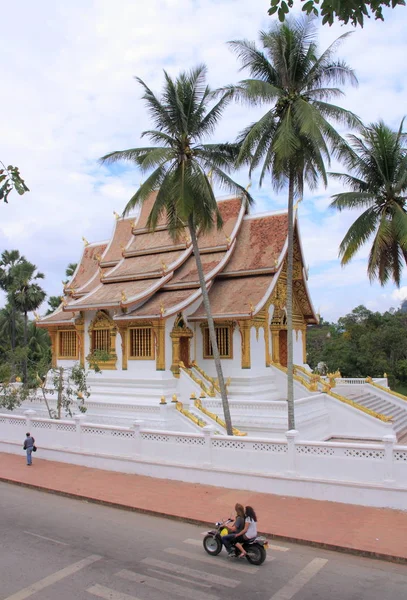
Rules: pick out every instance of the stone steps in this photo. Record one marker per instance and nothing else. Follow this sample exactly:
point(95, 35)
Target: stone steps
point(385, 407)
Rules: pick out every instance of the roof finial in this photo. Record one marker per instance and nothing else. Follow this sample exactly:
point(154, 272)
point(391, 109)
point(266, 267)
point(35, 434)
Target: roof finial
point(251, 307)
point(123, 296)
point(37, 316)
point(162, 309)
point(116, 215)
point(164, 267)
point(85, 241)
point(249, 185)
point(210, 177)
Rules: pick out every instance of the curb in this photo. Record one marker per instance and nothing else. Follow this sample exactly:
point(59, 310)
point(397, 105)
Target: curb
point(146, 511)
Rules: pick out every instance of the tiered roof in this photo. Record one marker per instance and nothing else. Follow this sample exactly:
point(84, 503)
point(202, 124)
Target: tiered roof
point(150, 275)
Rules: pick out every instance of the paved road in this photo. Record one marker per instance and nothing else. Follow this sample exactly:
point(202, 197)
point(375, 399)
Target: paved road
point(54, 548)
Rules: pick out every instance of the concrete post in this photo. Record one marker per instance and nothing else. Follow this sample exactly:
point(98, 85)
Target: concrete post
point(29, 415)
point(389, 441)
point(78, 423)
point(208, 433)
point(291, 436)
point(137, 445)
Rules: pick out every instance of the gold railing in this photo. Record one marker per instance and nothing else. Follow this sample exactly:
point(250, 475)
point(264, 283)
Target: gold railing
point(204, 388)
point(214, 417)
point(214, 382)
point(200, 422)
point(370, 381)
point(318, 384)
point(368, 411)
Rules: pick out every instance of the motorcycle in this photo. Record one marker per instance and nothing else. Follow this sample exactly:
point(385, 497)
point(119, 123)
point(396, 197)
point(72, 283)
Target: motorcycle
point(255, 549)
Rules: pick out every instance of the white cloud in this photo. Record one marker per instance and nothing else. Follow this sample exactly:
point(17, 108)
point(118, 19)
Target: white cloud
point(69, 96)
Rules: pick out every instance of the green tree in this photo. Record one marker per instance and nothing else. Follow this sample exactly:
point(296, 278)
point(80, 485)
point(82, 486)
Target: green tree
point(10, 179)
point(27, 296)
point(377, 161)
point(294, 138)
point(10, 260)
point(54, 302)
point(344, 11)
point(69, 271)
point(180, 163)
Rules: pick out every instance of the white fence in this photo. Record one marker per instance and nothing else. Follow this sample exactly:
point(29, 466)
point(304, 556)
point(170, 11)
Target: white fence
point(367, 474)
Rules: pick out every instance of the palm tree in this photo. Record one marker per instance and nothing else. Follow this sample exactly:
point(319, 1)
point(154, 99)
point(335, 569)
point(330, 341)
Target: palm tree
point(378, 163)
point(69, 271)
point(294, 139)
point(180, 164)
point(27, 296)
point(54, 302)
point(10, 259)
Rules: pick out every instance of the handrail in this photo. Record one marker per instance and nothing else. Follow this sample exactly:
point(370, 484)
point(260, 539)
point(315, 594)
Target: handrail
point(370, 381)
point(198, 404)
point(368, 411)
point(212, 380)
point(210, 392)
point(179, 406)
point(325, 388)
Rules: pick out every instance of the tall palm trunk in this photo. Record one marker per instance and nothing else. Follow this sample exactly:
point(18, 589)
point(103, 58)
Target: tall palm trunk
point(211, 327)
point(25, 347)
point(290, 264)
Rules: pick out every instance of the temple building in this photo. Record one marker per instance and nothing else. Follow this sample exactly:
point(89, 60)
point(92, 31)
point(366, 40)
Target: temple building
point(137, 298)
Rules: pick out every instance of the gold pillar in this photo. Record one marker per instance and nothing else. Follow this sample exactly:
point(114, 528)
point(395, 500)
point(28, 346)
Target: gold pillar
point(267, 344)
point(159, 332)
point(245, 327)
point(80, 332)
point(276, 345)
point(175, 353)
point(123, 330)
point(53, 334)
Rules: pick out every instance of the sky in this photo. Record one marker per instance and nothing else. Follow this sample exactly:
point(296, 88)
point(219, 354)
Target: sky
point(69, 96)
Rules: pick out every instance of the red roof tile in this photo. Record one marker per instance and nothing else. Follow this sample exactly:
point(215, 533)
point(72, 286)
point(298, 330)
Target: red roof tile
point(259, 244)
point(88, 265)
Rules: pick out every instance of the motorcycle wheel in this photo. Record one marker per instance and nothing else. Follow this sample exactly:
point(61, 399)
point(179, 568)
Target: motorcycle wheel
point(212, 545)
point(256, 554)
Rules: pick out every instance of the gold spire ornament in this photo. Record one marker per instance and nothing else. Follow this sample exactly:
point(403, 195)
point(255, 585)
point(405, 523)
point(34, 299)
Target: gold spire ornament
point(251, 307)
point(116, 215)
point(36, 316)
point(123, 296)
point(162, 310)
point(164, 267)
point(249, 185)
point(85, 241)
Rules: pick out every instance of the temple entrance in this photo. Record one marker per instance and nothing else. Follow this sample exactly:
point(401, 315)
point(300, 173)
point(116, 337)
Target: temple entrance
point(282, 343)
point(180, 336)
point(184, 351)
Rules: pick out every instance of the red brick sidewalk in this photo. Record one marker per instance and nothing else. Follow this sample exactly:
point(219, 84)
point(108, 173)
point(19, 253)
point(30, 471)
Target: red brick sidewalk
point(368, 531)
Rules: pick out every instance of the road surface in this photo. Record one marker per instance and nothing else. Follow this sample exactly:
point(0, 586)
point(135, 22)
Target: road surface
point(55, 548)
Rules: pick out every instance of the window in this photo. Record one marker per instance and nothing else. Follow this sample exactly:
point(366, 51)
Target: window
point(68, 344)
point(224, 341)
point(141, 343)
point(101, 340)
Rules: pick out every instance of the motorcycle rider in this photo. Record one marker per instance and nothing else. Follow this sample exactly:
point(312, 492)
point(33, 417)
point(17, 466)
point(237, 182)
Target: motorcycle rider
point(248, 532)
point(234, 529)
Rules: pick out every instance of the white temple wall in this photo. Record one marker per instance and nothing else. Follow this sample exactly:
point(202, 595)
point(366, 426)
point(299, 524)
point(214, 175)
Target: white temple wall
point(257, 350)
point(297, 347)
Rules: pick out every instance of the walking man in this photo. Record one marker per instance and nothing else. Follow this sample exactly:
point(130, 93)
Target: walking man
point(28, 447)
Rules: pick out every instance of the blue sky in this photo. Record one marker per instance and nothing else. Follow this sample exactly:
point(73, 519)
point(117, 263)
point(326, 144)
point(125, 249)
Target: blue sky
point(69, 96)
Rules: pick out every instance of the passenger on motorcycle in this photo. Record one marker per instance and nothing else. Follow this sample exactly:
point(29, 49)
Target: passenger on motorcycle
point(249, 531)
point(234, 529)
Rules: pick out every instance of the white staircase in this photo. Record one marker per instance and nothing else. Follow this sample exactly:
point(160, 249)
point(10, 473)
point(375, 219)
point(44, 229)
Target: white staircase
point(373, 401)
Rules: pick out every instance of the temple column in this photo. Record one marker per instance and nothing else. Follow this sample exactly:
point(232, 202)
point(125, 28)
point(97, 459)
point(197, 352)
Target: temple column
point(276, 345)
point(245, 327)
point(267, 344)
point(123, 334)
point(53, 334)
point(175, 353)
point(80, 332)
point(159, 331)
